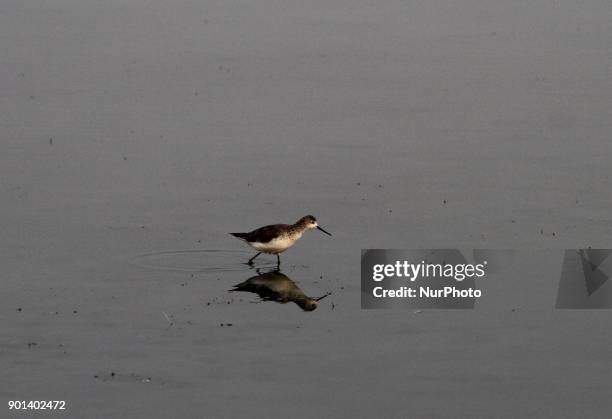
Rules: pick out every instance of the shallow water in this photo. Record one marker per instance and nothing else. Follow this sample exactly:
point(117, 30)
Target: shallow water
point(198, 260)
point(136, 135)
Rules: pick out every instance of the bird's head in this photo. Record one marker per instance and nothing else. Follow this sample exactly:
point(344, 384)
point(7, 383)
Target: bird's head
point(309, 223)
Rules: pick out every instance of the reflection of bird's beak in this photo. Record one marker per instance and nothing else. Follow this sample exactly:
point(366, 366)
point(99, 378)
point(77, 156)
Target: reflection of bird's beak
point(319, 228)
point(320, 298)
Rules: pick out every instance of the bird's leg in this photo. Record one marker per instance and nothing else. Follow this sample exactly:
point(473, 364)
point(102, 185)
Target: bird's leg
point(250, 262)
point(277, 261)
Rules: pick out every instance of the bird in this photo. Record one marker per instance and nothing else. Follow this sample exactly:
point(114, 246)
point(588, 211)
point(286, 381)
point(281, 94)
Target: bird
point(276, 238)
point(276, 286)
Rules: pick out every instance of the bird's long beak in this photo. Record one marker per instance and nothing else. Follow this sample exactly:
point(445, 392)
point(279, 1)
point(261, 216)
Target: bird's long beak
point(319, 228)
point(320, 298)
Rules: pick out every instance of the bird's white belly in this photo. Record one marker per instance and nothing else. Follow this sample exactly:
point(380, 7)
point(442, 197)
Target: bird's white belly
point(274, 246)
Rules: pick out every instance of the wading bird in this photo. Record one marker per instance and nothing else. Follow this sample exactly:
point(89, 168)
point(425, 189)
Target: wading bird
point(276, 238)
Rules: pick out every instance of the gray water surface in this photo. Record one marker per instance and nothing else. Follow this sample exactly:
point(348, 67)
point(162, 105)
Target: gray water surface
point(152, 127)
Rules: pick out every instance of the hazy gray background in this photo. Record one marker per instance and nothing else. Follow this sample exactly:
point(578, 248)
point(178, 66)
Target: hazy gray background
point(131, 127)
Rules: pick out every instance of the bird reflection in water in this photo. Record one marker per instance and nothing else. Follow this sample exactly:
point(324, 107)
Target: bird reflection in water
point(276, 286)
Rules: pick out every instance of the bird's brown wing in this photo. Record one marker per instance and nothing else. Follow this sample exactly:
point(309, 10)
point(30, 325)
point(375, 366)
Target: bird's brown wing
point(265, 234)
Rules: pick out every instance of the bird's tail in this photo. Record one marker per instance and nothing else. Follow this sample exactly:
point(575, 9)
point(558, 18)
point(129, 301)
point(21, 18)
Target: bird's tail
point(240, 235)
